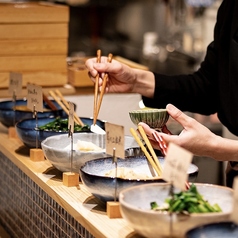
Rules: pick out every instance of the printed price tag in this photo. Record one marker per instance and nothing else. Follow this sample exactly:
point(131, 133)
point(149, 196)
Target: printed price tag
point(234, 213)
point(15, 83)
point(71, 118)
point(115, 140)
point(176, 165)
point(34, 98)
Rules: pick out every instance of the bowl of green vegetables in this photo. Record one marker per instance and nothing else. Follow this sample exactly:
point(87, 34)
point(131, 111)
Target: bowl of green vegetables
point(153, 211)
point(33, 131)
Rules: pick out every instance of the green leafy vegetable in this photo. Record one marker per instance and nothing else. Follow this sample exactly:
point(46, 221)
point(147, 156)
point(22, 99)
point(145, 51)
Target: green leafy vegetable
point(60, 124)
point(190, 201)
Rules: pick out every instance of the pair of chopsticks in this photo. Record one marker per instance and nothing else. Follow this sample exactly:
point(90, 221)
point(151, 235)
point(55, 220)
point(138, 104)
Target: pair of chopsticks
point(98, 101)
point(58, 97)
point(163, 147)
point(152, 157)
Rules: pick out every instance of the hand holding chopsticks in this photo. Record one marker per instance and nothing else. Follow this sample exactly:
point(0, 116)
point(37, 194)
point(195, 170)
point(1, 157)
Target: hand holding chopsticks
point(97, 104)
point(58, 97)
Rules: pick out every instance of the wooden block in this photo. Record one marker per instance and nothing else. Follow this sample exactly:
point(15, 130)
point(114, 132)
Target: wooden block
point(33, 63)
point(44, 79)
point(79, 77)
point(33, 12)
point(20, 47)
point(70, 179)
point(34, 31)
point(36, 155)
point(12, 132)
point(113, 210)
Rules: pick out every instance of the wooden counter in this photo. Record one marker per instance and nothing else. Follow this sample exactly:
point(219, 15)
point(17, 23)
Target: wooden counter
point(88, 211)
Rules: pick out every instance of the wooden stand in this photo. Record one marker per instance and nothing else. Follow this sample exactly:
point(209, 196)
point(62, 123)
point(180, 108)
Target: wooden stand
point(113, 210)
point(12, 132)
point(36, 155)
point(70, 179)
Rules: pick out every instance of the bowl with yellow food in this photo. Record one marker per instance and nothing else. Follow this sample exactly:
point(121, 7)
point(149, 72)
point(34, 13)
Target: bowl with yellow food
point(101, 176)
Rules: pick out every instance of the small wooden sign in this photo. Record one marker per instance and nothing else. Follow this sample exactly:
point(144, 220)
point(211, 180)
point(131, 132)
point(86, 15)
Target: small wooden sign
point(234, 213)
point(34, 98)
point(176, 165)
point(15, 83)
point(115, 140)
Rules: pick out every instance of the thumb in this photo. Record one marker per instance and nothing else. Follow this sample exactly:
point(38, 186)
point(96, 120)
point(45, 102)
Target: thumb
point(177, 114)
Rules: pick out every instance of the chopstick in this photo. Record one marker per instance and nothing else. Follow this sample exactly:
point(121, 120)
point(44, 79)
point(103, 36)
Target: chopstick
point(65, 106)
point(49, 102)
point(147, 142)
point(104, 83)
point(96, 90)
point(148, 156)
point(163, 147)
point(161, 142)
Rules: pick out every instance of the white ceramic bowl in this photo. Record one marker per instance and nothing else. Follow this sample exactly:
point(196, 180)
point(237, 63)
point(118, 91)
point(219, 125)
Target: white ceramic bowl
point(57, 149)
point(135, 208)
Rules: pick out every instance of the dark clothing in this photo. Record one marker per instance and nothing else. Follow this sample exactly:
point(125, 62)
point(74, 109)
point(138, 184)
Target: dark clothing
point(214, 87)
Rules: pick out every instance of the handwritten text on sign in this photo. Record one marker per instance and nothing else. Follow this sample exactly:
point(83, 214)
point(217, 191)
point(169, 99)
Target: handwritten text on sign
point(115, 140)
point(15, 83)
point(176, 165)
point(34, 98)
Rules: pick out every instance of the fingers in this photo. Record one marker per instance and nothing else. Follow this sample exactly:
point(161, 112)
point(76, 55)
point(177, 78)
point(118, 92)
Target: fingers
point(178, 115)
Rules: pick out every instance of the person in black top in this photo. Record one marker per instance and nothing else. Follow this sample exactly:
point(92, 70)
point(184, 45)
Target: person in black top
point(213, 88)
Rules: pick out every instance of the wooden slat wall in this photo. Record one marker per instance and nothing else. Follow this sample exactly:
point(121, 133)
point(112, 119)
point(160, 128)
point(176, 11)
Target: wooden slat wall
point(34, 42)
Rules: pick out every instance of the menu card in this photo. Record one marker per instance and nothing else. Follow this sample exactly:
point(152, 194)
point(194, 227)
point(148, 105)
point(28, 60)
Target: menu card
point(115, 140)
point(34, 98)
point(176, 165)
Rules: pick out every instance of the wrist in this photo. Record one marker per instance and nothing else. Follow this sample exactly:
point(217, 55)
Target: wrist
point(144, 83)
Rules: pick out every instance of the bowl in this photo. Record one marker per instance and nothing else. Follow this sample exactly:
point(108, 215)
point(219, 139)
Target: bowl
point(155, 118)
point(9, 117)
point(32, 138)
point(93, 175)
point(57, 149)
point(135, 209)
point(226, 229)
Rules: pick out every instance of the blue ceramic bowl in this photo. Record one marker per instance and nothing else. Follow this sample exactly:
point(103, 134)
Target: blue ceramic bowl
point(214, 230)
point(9, 117)
point(32, 138)
point(103, 187)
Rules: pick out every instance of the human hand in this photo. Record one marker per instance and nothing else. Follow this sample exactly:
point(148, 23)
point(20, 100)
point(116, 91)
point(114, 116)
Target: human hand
point(121, 78)
point(194, 137)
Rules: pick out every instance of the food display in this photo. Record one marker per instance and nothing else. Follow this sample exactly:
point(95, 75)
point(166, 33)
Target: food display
point(61, 124)
point(189, 201)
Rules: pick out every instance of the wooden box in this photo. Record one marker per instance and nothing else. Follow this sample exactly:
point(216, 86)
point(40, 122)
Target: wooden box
point(34, 42)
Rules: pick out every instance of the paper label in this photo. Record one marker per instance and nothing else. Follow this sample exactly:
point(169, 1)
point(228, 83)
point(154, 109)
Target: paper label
point(234, 213)
point(115, 140)
point(176, 165)
point(15, 83)
point(71, 118)
point(34, 98)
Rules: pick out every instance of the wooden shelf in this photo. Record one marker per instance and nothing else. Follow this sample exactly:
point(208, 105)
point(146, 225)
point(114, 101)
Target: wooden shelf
point(77, 201)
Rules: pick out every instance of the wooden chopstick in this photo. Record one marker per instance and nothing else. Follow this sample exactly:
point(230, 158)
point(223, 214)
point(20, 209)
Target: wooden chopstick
point(149, 146)
point(77, 120)
point(49, 103)
point(148, 156)
point(105, 78)
point(96, 90)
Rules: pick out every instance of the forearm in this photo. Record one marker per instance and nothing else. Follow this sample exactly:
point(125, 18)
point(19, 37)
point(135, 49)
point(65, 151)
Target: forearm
point(145, 83)
point(223, 149)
